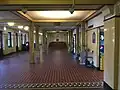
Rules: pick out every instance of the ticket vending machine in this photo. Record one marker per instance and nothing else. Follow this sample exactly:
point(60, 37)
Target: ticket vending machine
point(101, 51)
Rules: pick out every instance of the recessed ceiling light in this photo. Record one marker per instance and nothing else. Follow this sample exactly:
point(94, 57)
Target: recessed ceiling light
point(52, 14)
point(19, 31)
point(20, 27)
point(105, 29)
point(26, 28)
point(5, 28)
point(11, 23)
point(40, 33)
point(34, 31)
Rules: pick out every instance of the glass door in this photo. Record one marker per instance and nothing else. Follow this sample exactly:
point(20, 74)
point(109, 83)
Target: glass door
point(16, 42)
point(1, 44)
point(101, 50)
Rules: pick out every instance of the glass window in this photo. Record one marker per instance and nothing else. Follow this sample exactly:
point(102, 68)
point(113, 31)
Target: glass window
point(25, 39)
point(3, 41)
point(23, 42)
point(9, 39)
point(34, 39)
point(21, 39)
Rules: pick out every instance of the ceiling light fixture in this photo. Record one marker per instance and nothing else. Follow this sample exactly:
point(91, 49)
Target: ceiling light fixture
point(19, 31)
point(71, 10)
point(54, 14)
point(24, 10)
point(11, 23)
point(20, 27)
point(40, 34)
point(5, 28)
point(26, 28)
point(34, 31)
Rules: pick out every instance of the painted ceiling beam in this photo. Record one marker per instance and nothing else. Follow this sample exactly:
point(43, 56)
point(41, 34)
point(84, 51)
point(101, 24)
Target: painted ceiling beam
point(57, 2)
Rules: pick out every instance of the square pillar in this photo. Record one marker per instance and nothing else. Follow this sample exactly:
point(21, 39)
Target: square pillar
point(77, 43)
point(37, 38)
point(31, 44)
point(82, 36)
point(44, 41)
point(112, 52)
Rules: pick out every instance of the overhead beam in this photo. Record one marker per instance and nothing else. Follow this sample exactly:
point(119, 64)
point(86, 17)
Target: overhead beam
point(33, 20)
point(57, 2)
point(13, 20)
point(56, 20)
point(47, 7)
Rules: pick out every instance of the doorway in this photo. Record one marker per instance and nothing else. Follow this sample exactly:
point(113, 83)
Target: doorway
point(17, 42)
point(1, 44)
point(101, 50)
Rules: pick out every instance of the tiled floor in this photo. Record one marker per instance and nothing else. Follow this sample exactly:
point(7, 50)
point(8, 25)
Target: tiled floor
point(58, 69)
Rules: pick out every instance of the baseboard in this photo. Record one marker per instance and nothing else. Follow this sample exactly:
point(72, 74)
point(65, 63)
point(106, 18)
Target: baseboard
point(106, 86)
point(13, 53)
point(9, 53)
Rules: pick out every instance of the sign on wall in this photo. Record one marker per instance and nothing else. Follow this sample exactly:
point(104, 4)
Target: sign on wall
point(93, 37)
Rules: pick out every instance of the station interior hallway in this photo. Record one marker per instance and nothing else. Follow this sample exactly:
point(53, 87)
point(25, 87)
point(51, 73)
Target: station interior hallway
point(57, 69)
point(60, 44)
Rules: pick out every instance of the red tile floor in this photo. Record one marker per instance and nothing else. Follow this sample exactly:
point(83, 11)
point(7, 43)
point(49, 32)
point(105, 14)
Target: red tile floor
point(57, 68)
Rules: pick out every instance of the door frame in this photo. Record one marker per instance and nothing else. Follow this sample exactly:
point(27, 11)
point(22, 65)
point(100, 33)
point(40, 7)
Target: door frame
point(17, 49)
point(1, 40)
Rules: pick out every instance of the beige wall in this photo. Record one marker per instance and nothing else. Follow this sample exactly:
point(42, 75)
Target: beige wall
point(93, 46)
point(6, 49)
point(62, 36)
point(109, 39)
point(119, 53)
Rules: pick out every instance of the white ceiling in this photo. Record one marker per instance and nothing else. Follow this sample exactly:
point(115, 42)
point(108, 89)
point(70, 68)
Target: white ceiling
point(56, 15)
point(9, 16)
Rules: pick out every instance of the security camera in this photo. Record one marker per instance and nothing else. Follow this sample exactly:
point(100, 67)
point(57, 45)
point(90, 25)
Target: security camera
point(24, 10)
point(71, 10)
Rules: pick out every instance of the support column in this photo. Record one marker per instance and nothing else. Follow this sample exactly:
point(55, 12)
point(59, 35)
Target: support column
point(31, 43)
point(112, 52)
point(83, 36)
point(77, 43)
point(44, 41)
point(37, 38)
point(69, 41)
point(112, 46)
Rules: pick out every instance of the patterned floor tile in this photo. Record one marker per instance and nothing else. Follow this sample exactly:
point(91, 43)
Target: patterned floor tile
point(57, 70)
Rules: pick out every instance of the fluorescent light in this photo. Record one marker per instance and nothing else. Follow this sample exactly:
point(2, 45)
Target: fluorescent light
point(11, 23)
point(20, 27)
point(54, 14)
point(40, 33)
point(5, 28)
point(113, 40)
point(19, 31)
point(105, 29)
point(34, 31)
point(26, 28)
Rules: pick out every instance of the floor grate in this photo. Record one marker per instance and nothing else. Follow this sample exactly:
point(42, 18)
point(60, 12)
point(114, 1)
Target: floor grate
point(53, 85)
